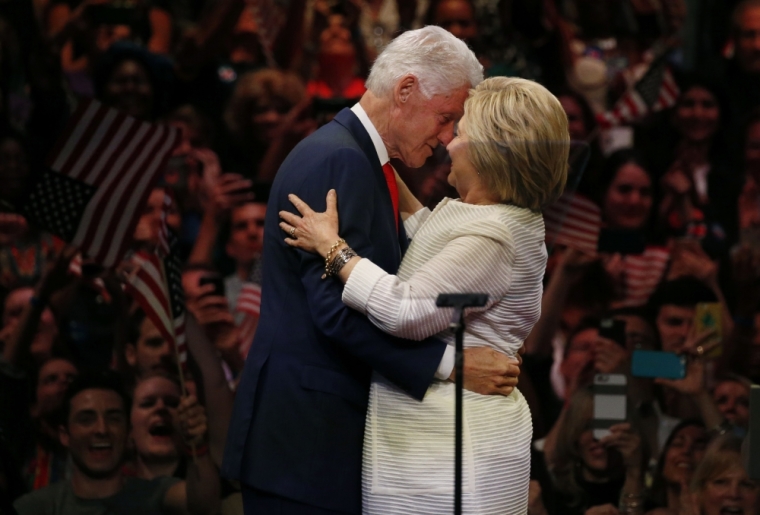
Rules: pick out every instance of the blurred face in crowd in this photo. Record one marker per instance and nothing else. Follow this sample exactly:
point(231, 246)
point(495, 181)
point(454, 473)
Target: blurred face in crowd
point(732, 399)
point(268, 114)
point(697, 114)
point(337, 55)
point(628, 201)
point(96, 432)
point(593, 454)
point(579, 354)
point(730, 492)
point(673, 325)
point(154, 418)
point(752, 150)
point(458, 17)
point(149, 224)
point(420, 124)
point(246, 232)
point(576, 124)
point(639, 334)
point(151, 351)
point(14, 168)
point(15, 303)
point(748, 41)
point(129, 89)
point(685, 452)
point(54, 377)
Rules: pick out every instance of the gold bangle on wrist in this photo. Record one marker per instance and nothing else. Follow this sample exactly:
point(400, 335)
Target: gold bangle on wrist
point(328, 258)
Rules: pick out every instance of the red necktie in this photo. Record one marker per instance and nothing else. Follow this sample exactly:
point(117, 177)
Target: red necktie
point(390, 178)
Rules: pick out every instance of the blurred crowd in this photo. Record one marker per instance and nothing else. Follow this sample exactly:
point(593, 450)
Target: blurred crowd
point(661, 217)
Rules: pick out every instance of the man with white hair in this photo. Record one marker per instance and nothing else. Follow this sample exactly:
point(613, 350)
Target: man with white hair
point(295, 439)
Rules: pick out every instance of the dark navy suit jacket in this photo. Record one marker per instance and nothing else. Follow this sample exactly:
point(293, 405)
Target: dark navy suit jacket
point(298, 423)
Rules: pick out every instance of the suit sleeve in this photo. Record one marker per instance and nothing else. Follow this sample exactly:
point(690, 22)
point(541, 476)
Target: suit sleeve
point(410, 365)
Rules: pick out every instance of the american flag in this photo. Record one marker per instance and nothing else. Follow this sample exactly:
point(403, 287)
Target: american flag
point(163, 230)
point(655, 91)
point(148, 283)
point(249, 304)
point(643, 273)
point(270, 16)
point(573, 221)
point(100, 176)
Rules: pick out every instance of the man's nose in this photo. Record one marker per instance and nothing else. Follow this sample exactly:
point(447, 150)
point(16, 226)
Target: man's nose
point(101, 427)
point(446, 134)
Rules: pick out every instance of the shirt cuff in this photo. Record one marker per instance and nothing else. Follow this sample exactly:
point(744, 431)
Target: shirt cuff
point(360, 284)
point(415, 221)
point(447, 364)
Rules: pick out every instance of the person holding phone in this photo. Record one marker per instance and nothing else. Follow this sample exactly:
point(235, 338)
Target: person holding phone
point(597, 476)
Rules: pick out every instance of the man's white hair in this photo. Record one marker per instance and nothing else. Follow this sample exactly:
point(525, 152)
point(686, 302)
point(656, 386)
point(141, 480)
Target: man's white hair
point(441, 62)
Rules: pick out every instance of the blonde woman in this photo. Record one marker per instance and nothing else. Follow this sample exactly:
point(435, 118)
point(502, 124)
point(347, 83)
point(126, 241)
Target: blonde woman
point(720, 484)
point(509, 159)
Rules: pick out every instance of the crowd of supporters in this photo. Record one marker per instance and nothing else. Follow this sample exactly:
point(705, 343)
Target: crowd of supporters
point(661, 218)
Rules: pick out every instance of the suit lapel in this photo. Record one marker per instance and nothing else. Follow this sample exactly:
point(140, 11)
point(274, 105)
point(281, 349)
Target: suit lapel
point(351, 122)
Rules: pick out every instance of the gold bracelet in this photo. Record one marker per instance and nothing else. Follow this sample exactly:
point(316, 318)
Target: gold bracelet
point(329, 256)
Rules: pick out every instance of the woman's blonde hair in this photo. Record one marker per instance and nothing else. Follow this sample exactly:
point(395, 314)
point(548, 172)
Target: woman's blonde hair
point(518, 140)
point(722, 455)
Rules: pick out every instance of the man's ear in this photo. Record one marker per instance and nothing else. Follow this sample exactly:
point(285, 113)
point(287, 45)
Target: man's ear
point(130, 354)
point(63, 435)
point(404, 88)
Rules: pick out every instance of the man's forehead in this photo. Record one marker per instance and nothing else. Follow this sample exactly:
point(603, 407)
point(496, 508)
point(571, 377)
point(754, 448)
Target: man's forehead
point(248, 211)
point(450, 103)
point(675, 310)
point(96, 399)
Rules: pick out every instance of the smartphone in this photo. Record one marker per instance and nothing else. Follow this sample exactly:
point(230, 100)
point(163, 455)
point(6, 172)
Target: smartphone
point(708, 315)
point(610, 402)
point(621, 241)
point(653, 363)
point(613, 330)
point(218, 283)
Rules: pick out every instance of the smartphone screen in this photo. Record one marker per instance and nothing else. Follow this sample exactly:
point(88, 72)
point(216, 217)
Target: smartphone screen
point(652, 363)
point(218, 283)
point(610, 402)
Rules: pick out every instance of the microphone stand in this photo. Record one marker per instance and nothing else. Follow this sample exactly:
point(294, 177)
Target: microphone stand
point(459, 301)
